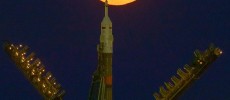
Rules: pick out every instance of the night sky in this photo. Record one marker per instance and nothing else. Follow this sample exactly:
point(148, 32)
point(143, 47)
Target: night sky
point(152, 39)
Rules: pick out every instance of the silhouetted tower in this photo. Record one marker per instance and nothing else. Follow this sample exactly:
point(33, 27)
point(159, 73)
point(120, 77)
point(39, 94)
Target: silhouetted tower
point(101, 87)
point(188, 75)
point(34, 71)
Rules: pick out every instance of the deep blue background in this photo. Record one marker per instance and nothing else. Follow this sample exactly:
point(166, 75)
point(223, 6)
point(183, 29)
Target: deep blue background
point(152, 39)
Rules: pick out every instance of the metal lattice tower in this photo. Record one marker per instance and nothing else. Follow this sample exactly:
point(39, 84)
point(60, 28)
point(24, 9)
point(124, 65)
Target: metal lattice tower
point(34, 71)
point(189, 74)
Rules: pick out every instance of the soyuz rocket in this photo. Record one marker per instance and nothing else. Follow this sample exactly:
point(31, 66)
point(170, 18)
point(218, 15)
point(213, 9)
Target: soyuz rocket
point(101, 87)
point(106, 47)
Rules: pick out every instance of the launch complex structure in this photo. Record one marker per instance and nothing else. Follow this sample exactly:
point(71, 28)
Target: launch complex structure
point(189, 74)
point(101, 87)
point(34, 71)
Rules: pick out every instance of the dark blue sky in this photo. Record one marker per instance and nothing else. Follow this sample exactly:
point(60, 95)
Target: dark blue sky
point(152, 39)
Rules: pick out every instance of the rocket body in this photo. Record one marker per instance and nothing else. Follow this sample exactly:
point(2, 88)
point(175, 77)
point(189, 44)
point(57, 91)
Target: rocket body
point(105, 52)
point(101, 88)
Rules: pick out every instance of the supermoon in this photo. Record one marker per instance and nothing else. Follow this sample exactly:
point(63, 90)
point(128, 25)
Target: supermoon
point(118, 2)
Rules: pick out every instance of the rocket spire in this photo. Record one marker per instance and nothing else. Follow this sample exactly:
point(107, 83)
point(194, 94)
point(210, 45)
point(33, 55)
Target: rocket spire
point(106, 8)
point(106, 37)
point(102, 79)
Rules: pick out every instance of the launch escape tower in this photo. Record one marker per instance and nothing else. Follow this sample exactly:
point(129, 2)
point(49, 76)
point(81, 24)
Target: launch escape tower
point(34, 71)
point(189, 74)
point(101, 87)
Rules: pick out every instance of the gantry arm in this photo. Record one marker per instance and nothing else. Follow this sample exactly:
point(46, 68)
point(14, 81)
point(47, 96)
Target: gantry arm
point(34, 71)
point(188, 75)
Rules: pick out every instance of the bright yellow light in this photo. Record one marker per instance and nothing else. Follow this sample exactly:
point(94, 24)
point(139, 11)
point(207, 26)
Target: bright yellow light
point(218, 52)
point(44, 85)
point(200, 62)
point(38, 63)
point(10, 48)
point(16, 53)
point(23, 59)
point(119, 2)
point(221, 52)
point(49, 77)
point(39, 80)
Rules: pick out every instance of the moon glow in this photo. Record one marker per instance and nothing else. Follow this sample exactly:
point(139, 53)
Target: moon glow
point(118, 2)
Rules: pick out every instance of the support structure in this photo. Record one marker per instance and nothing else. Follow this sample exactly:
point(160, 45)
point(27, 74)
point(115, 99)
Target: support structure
point(190, 73)
point(34, 71)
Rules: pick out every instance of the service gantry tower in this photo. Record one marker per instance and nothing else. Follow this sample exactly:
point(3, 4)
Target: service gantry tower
point(34, 71)
point(189, 74)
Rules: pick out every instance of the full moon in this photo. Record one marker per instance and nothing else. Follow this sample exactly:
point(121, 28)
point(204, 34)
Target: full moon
point(118, 2)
